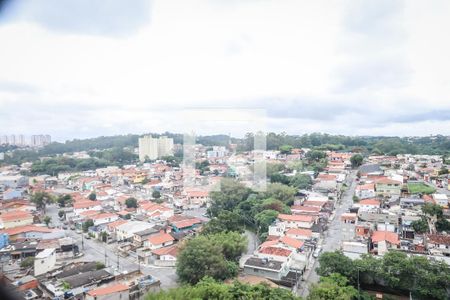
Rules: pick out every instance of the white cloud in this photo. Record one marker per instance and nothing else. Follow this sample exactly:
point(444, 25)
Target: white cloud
point(313, 65)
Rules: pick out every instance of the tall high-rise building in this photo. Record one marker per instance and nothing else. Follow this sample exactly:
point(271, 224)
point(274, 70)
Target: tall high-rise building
point(153, 148)
point(165, 146)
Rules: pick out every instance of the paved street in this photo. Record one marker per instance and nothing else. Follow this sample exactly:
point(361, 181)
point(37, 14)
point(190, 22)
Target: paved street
point(332, 237)
point(95, 250)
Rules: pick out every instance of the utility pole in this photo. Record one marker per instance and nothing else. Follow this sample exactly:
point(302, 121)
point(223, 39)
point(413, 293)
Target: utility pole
point(82, 239)
point(105, 258)
point(117, 260)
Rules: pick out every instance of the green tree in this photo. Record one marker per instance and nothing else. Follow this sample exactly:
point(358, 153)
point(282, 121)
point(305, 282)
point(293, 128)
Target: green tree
point(274, 168)
point(156, 195)
point(99, 265)
point(47, 220)
point(333, 287)
point(64, 200)
point(301, 181)
point(61, 213)
point(92, 196)
point(432, 213)
point(131, 202)
point(420, 226)
point(86, 224)
point(232, 243)
point(228, 198)
point(281, 178)
point(315, 155)
point(201, 257)
point(27, 262)
point(263, 220)
point(225, 221)
point(42, 199)
point(104, 236)
point(356, 160)
point(286, 149)
point(280, 192)
point(208, 288)
point(336, 262)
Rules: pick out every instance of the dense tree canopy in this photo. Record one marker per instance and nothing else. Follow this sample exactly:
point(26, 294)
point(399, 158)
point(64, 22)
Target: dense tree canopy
point(207, 288)
point(356, 160)
point(212, 255)
point(131, 202)
point(425, 279)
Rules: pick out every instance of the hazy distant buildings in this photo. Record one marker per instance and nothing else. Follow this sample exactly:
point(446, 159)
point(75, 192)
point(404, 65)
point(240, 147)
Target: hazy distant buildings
point(21, 141)
point(153, 148)
point(40, 140)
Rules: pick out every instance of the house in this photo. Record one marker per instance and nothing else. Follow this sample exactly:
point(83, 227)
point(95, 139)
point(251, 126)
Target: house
point(127, 230)
point(15, 218)
point(183, 223)
point(13, 181)
point(364, 191)
point(27, 232)
point(140, 236)
point(84, 205)
point(104, 218)
point(118, 291)
point(297, 221)
point(44, 261)
point(370, 170)
point(155, 211)
point(305, 210)
point(438, 244)
point(166, 256)
point(268, 268)
point(197, 198)
point(441, 199)
point(387, 187)
point(382, 241)
point(159, 240)
point(274, 253)
point(27, 282)
point(299, 233)
point(368, 204)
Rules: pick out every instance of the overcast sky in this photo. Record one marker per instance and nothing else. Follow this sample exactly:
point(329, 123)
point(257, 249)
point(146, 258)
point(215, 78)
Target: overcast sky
point(84, 68)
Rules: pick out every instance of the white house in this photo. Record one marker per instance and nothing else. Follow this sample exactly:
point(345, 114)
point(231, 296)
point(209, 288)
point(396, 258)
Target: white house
point(104, 218)
point(441, 199)
point(44, 261)
point(159, 240)
point(297, 221)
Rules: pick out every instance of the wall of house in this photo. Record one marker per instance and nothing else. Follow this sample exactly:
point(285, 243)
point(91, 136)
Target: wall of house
point(125, 295)
point(263, 273)
point(43, 265)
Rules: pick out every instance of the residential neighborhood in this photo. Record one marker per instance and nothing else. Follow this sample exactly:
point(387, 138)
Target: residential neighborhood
point(118, 231)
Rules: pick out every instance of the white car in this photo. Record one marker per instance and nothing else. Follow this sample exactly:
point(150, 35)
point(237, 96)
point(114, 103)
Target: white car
point(317, 252)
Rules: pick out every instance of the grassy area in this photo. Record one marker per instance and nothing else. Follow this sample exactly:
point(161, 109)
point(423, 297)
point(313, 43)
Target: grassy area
point(416, 188)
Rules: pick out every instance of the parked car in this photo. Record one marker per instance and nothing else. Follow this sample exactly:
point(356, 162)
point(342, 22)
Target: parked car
point(317, 252)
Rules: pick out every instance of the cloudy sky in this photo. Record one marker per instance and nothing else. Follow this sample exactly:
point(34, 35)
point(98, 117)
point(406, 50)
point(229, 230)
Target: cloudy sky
point(83, 68)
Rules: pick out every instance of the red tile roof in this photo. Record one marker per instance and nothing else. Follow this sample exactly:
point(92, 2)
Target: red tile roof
point(388, 236)
point(370, 202)
point(171, 250)
point(26, 228)
point(160, 238)
point(296, 218)
point(291, 242)
point(119, 287)
point(299, 231)
point(275, 251)
point(15, 215)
